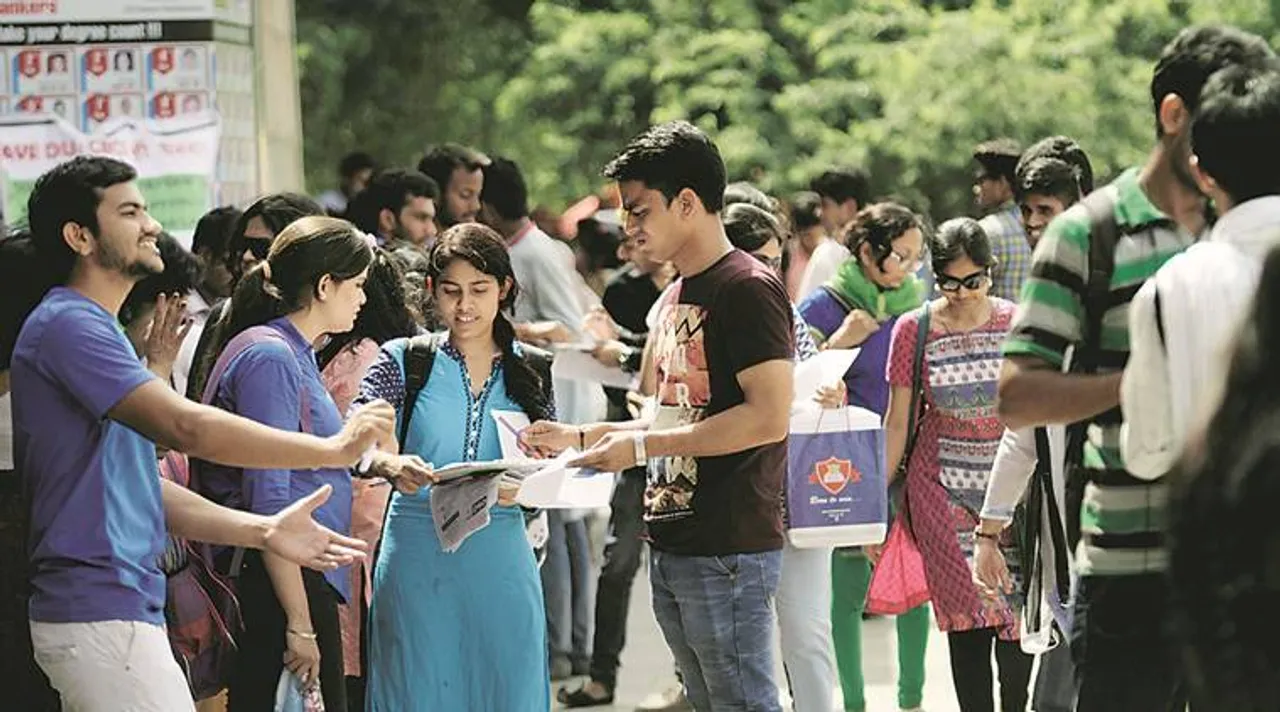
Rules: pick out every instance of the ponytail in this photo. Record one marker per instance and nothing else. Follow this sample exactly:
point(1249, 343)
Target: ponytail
point(254, 301)
point(524, 384)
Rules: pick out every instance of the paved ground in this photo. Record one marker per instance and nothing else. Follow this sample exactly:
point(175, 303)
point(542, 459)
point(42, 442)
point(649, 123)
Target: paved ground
point(646, 665)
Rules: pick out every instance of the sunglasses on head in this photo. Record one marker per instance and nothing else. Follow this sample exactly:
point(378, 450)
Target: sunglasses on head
point(257, 247)
point(975, 281)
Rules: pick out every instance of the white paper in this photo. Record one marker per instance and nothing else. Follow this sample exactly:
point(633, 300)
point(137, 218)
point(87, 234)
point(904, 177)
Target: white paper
point(510, 424)
point(573, 365)
point(825, 369)
point(558, 486)
point(813, 419)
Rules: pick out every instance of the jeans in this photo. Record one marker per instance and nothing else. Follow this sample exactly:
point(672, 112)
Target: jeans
point(716, 613)
point(1124, 658)
point(567, 589)
point(804, 620)
point(971, 670)
point(850, 577)
point(621, 562)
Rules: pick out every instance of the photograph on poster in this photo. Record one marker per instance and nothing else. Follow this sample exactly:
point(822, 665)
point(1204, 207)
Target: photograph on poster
point(178, 68)
point(42, 71)
point(109, 69)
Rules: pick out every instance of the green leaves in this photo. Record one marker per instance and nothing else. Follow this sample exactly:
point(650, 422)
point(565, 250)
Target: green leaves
point(905, 88)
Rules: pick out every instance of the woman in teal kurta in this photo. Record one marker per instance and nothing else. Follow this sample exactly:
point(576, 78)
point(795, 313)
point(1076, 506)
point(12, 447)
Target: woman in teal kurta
point(463, 630)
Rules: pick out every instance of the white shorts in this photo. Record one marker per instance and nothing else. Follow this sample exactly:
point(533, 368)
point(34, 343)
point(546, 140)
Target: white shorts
point(110, 666)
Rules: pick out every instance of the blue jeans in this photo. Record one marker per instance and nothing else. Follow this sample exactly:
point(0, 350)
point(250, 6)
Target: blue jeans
point(717, 615)
point(568, 590)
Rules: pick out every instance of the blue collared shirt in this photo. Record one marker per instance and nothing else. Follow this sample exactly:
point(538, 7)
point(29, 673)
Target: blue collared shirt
point(266, 383)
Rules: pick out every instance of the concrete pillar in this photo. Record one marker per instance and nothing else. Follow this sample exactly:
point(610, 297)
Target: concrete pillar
point(278, 103)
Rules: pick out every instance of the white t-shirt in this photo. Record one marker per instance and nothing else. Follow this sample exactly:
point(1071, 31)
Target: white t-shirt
point(823, 265)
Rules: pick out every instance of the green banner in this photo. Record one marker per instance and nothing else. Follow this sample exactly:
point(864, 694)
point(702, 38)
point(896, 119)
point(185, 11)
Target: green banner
point(176, 200)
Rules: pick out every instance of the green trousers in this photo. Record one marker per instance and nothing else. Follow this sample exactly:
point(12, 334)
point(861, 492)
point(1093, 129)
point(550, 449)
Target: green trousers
point(850, 578)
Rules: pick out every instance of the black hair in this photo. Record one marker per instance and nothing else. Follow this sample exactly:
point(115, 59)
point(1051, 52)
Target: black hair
point(599, 241)
point(304, 252)
point(744, 192)
point(484, 249)
point(1193, 56)
point(843, 184)
point(70, 193)
point(413, 265)
point(181, 274)
point(749, 228)
point(1063, 148)
point(386, 314)
point(805, 209)
point(998, 158)
point(26, 279)
point(277, 211)
point(213, 232)
point(670, 157)
point(441, 161)
point(1236, 132)
point(389, 190)
point(960, 237)
point(504, 190)
point(877, 226)
point(354, 162)
point(1047, 176)
point(1224, 546)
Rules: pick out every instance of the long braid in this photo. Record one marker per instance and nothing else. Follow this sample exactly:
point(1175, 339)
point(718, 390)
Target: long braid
point(524, 384)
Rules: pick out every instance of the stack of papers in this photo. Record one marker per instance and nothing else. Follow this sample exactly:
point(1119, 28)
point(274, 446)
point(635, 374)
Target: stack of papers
point(546, 484)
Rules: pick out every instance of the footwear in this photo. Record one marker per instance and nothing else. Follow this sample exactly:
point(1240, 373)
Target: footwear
point(582, 698)
point(671, 699)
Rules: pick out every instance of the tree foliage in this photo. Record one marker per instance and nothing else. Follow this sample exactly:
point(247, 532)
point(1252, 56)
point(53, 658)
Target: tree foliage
point(904, 88)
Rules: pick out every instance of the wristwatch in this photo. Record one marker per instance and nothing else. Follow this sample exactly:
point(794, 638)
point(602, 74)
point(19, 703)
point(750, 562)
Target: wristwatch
point(642, 455)
point(624, 355)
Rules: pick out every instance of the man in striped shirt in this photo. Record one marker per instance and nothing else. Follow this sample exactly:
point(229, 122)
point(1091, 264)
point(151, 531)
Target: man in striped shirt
point(1123, 659)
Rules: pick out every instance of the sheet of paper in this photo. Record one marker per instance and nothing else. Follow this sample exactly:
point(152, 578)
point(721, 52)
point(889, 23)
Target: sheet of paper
point(510, 424)
point(825, 369)
point(578, 366)
point(558, 486)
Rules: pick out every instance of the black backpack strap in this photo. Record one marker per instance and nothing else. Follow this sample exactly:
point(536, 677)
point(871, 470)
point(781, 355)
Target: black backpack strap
point(419, 358)
point(1044, 484)
point(1104, 233)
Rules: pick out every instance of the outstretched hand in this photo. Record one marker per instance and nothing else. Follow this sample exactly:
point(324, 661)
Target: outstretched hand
point(293, 534)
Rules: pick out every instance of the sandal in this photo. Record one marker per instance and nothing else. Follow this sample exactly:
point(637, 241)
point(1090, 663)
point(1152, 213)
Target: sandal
point(581, 698)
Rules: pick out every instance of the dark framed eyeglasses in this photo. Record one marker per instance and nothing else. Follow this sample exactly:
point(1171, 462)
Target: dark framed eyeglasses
point(972, 282)
point(257, 247)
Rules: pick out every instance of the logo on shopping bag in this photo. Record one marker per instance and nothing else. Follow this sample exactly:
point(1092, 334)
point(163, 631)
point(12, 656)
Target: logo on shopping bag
point(833, 475)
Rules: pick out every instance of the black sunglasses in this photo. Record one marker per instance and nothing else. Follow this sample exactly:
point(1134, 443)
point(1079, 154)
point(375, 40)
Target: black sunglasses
point(975, 281)
point(257, 247)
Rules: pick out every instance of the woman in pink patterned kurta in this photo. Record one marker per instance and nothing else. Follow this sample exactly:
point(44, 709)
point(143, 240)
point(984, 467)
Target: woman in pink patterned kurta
point(344, 362)
point(959, 432)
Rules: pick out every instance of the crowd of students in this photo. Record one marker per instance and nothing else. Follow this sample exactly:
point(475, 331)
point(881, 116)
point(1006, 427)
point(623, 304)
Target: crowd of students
point(1074, 393)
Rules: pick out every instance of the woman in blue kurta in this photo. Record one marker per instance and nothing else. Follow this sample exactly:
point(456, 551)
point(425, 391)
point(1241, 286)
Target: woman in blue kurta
point(460, 630)
point(857, 309)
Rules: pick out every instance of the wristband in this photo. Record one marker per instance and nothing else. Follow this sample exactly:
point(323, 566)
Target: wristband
point(978, 533)
point(642, 455)
point(300, 634)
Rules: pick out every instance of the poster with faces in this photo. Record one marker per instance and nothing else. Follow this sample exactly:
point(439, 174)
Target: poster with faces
point(100, 108)
point(42, 72)
point(107, 70)
point(178, 68)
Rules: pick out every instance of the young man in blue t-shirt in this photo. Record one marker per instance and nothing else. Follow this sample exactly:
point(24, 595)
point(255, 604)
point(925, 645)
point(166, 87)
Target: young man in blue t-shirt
point(87, 416)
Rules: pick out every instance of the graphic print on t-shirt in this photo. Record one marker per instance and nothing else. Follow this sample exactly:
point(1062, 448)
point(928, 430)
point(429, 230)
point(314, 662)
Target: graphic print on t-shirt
point(684, 390)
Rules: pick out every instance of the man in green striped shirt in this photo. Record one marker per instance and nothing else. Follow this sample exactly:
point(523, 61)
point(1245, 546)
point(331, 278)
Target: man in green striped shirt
point(1123, 659)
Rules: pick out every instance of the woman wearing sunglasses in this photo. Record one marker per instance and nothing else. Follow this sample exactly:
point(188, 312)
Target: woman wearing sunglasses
point(958, 433)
